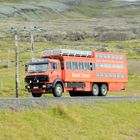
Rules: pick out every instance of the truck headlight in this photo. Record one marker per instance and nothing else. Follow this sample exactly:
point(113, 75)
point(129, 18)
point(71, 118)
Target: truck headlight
point(44, 86)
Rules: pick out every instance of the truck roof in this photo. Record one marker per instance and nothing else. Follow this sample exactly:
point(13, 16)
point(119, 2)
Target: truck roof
point(67, 52)
point(79, 53)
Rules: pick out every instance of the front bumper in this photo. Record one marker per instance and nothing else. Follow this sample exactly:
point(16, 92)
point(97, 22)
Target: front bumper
point(35, 86)
point(38, 78)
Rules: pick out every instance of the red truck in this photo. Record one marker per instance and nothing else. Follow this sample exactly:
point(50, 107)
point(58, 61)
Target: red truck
point(77, 72)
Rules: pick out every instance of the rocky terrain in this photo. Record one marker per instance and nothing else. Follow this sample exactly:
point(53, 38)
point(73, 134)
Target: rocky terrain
point(104, 20)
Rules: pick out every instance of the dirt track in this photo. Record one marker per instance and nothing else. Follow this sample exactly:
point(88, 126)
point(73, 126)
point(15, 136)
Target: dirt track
point(40, 103)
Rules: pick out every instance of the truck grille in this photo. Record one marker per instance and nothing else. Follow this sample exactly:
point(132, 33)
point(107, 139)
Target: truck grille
point(41, 78)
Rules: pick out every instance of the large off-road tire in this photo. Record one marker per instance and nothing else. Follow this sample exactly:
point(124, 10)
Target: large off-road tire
point(95, 90)
point(58, 90)
point(36, 94)
point(103, 90)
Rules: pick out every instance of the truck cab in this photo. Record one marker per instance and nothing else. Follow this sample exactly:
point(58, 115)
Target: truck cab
point(42, 75)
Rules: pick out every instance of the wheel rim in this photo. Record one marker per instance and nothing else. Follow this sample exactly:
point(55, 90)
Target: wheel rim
point(95, 90)
point(104, 90)
point(58, 90)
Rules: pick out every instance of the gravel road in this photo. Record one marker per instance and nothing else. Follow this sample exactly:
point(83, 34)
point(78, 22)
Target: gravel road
point(40, 103)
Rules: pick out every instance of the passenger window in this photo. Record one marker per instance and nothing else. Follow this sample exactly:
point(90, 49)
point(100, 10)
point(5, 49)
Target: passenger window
point(109, 56)
point(117, 57)
point(106, 75)
point(106, 65)
point(113, 56)
point(102, 75)
point(120, 58)
point(97, 65)
point(81, 66)
point(110, 75)
point(122, 76)
point(100, 56)
point(118, 66)
point(114, 66)
point(114, 75)
point(98, 75)
point(74, 66)
point(68, 65)
point(97, 56)
point(87, 66)
point(105, 56)
point(109, 65)
point(118, 75)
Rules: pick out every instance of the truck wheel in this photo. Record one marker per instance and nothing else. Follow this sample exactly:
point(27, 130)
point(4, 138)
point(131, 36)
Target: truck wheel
point(58, 90)
point(95, 90)
point(36, 94)
point(103, 90)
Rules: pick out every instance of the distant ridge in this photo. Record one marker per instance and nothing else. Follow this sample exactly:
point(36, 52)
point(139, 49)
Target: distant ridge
point(44, 10)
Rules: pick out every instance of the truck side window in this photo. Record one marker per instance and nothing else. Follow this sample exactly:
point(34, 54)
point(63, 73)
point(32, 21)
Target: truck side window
point(87, 66)
point(53, 66)
point(68, 65)
point(74, 66)
point(81, 66)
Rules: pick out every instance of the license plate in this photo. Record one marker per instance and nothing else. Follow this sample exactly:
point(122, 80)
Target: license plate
point(35, 87)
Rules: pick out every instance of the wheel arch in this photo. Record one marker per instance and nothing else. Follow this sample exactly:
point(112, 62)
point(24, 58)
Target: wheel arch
point(56, 81)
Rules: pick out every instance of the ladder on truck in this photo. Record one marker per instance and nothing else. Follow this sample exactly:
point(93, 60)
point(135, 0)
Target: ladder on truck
point(67, 52)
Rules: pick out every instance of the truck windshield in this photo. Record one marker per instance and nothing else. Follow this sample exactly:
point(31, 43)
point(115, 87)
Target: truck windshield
point(37, 68)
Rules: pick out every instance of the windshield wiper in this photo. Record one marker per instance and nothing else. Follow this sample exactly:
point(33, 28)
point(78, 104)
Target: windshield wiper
point(41, 71)
point(31, 71)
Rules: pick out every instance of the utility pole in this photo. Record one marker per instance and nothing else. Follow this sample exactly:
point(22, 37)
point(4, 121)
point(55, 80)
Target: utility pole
point(32, 43)
point(32, 32)
point(14, 30)
point(16, 65)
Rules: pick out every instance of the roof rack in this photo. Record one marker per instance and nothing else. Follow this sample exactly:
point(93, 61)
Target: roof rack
point(67, 52)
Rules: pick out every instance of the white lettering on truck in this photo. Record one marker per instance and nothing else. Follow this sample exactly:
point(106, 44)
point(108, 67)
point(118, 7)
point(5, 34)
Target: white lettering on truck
point(79, 75)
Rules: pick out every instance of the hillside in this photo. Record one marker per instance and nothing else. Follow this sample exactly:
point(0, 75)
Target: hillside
point(43, 10)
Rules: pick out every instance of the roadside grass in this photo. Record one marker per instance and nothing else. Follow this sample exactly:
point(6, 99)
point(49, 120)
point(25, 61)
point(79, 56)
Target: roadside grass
point(108, 121)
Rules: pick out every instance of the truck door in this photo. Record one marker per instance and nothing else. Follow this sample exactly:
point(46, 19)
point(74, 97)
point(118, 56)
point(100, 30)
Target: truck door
point(55, 71)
